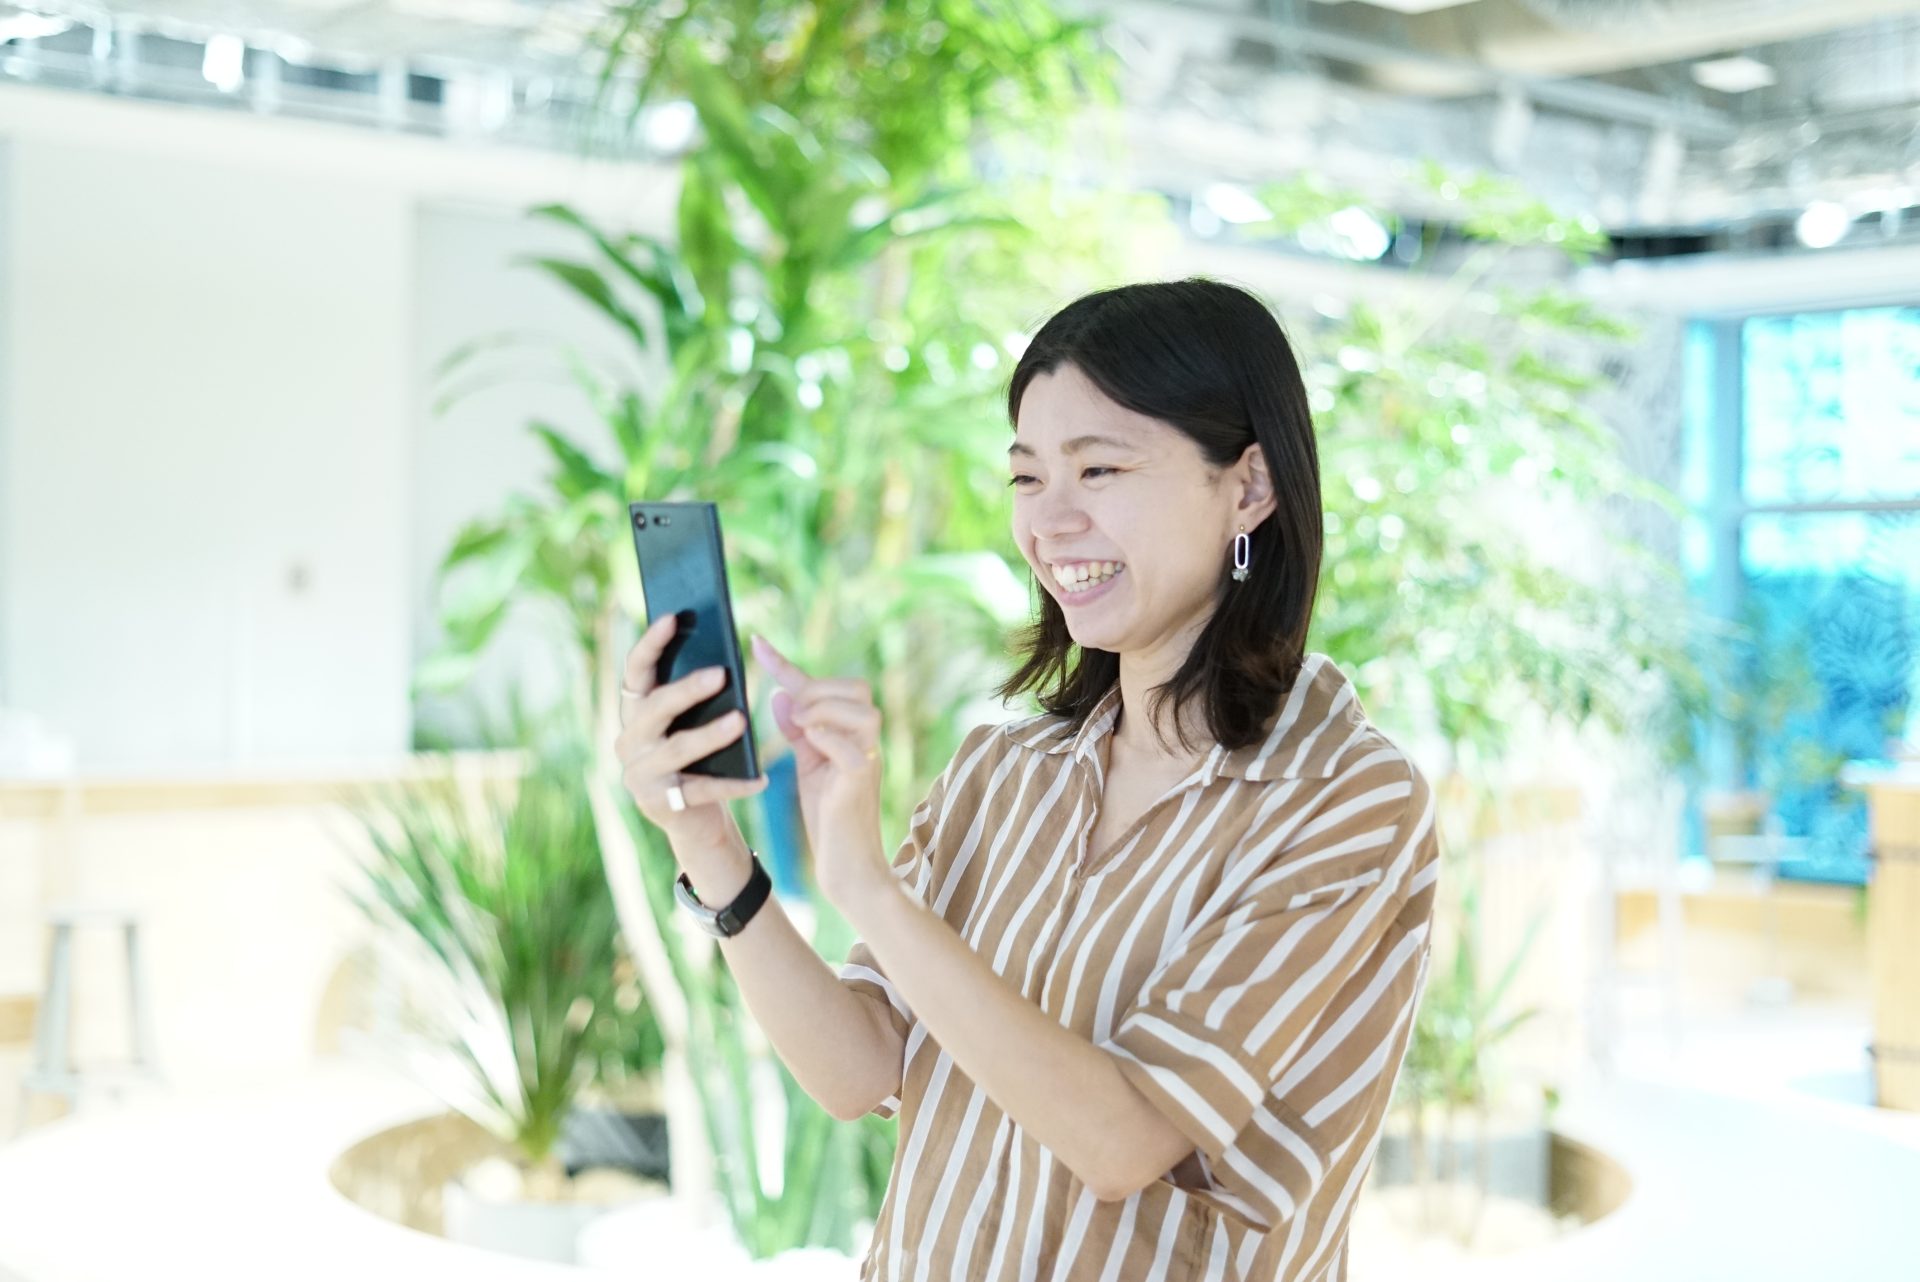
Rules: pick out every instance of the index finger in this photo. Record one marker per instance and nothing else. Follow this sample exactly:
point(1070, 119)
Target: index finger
point(784, 672)
point(642, 666)
point(789, 676)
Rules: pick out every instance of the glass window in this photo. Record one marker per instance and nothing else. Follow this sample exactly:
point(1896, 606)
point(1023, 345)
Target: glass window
point(1832, 405)
point(1803, 437)
point(1832, 674)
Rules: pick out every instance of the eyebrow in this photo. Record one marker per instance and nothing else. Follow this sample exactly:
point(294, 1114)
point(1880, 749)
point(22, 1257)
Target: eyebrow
point(1073, 446)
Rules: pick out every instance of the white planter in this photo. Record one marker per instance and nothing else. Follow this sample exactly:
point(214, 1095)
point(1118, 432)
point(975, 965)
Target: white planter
point(652, 1238)
point(807, 1264)
point(1518, 1153)
point(500, 1220)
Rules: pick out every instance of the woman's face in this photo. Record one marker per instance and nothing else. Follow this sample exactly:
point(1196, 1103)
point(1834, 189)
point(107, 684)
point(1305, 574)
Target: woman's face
point(1141, 498)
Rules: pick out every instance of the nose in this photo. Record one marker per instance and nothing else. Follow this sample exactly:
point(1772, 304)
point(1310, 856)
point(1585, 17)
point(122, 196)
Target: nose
point(1054, 513)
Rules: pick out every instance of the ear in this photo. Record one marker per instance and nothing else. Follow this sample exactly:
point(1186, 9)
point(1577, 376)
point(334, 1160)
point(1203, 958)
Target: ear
point(1256, 499)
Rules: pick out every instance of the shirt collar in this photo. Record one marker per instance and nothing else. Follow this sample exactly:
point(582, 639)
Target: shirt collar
point(1301, 740)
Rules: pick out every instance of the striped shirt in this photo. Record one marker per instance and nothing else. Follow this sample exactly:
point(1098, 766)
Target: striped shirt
point(1250, 951)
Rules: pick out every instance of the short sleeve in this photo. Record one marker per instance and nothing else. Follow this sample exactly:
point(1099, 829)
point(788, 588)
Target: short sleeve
point(914, 864)
point(1292, 950)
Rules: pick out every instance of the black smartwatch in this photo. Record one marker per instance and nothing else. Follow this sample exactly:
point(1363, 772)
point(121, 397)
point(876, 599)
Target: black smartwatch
point(732, 919)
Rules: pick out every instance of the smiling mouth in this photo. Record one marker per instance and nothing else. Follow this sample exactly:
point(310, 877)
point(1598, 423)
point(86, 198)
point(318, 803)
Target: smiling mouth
point(1086, 578)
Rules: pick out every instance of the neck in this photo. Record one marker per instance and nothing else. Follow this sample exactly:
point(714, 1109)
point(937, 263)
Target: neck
point(1134, 740)
point(1140, 671)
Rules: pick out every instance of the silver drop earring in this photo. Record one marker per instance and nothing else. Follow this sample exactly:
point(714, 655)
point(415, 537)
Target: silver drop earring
point(1241, 547)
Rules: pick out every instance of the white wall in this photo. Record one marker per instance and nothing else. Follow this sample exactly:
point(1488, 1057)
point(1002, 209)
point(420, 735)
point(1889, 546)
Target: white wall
point(6, 381)
point(209, 421)
point(479, 448)
point(222, 492)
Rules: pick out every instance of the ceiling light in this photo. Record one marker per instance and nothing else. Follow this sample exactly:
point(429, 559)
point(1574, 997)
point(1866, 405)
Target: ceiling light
point(224, 64)
point(1823, 223)
point(668, 126)
point(1234, 204)
point(1733, 75)
point(1415, 6)
point(1358, 234)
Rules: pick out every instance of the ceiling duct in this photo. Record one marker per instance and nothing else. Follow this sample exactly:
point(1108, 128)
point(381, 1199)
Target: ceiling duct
point(1637, 15)
point(1592, 37)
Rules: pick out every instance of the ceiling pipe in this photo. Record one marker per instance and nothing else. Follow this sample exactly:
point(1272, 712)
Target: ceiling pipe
point(1447, 75)
point(1591, 37)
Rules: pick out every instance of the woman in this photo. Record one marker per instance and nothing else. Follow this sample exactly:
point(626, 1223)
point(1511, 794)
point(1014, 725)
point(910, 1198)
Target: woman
point(1139, 979)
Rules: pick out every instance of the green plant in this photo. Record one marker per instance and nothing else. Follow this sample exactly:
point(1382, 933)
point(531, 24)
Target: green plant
point(1453, 427)
point(1761, 678)
point(831, 320)
point(1449, 616)
point(1461, 1020)
point(497, 910)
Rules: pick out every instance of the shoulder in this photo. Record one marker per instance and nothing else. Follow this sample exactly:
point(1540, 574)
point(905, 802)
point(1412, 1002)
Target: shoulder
point(1372, 819)
point(1357, 770)
point(1376, 779)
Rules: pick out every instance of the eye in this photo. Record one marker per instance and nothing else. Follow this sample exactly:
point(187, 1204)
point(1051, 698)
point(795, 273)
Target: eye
point(1085, 471)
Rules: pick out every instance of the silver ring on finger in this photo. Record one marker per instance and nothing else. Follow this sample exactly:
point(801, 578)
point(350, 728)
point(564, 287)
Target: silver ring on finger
point(676, 799)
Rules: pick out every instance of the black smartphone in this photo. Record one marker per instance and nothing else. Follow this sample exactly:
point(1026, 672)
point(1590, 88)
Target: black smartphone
point(683, 572)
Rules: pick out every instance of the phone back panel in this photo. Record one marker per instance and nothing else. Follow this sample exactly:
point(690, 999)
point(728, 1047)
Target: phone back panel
point(683, 572)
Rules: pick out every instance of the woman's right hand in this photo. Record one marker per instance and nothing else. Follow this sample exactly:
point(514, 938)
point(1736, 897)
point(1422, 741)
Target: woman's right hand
point(651, 759)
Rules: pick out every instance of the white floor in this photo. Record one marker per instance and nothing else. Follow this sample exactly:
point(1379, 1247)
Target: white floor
point(1754, 1151)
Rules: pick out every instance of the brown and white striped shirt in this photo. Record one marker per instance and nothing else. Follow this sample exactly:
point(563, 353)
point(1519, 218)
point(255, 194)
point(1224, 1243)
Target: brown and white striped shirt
point(1251, 951)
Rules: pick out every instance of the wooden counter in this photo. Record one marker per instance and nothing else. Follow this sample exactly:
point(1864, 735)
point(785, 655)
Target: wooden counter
point(226, 789)
point(235, 874)
point(1893, 927)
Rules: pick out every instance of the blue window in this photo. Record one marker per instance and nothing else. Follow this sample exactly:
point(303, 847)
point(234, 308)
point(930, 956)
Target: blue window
point(1803, 474)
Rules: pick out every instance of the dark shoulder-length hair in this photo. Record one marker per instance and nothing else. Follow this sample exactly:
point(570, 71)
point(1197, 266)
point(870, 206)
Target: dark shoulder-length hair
point(1209, 360)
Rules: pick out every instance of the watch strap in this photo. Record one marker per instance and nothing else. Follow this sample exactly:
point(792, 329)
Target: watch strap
point(731, 919)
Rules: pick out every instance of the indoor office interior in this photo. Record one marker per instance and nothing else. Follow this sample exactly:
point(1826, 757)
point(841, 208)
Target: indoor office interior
point(336, 339)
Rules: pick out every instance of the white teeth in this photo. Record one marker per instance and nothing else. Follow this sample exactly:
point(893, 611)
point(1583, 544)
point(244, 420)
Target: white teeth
point(1083, 576)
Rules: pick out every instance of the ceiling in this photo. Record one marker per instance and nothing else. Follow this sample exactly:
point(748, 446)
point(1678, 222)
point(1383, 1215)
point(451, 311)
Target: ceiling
point(1602, 106)
point(1597, 104)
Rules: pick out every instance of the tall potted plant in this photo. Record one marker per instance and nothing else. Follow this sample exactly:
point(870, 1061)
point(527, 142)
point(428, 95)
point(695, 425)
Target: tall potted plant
point(826, 375)
point(1432, 412)
point(1447, 419)
point(1457, 1134)
point(489, 903)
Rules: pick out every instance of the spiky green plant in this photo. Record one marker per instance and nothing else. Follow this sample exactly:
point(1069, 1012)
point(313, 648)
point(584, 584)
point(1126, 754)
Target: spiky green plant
point(491, 898)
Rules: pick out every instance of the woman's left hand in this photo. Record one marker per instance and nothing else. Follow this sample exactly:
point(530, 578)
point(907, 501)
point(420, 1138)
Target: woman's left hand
point(835, 732)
